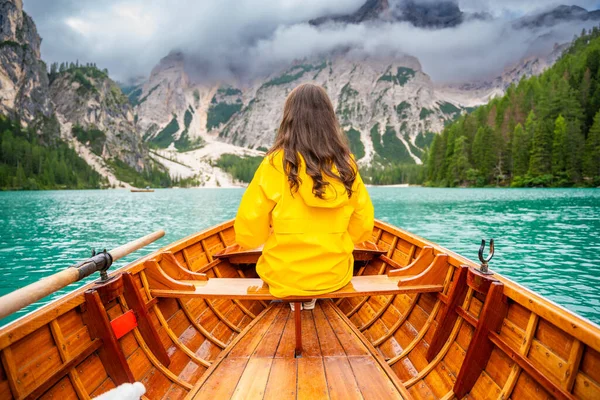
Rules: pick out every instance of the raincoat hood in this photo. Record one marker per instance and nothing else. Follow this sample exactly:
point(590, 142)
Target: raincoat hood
point(335, 195)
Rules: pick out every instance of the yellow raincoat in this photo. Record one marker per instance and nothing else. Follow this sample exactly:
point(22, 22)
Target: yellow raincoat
point(309, 250)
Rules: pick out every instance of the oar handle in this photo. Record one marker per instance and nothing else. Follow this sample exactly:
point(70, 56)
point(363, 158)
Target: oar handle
point(130, 247)
point(29, 294)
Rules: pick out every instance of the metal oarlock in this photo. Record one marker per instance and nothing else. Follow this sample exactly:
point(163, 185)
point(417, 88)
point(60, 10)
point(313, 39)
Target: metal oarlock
point(484, 261)
point(97, 262)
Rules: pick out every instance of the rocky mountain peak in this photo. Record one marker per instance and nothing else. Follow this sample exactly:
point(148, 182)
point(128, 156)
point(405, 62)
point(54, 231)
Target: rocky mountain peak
point(435, 14)
point(98, 114)
point(562, 13)
point(23, 78)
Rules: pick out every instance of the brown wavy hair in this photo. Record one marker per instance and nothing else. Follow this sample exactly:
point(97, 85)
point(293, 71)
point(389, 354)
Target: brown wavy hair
point(310, 127)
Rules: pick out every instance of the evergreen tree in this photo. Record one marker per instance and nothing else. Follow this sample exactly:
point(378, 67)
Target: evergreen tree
point(520, 149)
point(559, 146)
point(485, 152)
point(591, 155)
point(460, 161)
point(540, 162)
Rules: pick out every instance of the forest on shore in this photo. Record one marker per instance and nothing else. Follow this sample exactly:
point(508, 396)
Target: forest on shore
point(545, 132)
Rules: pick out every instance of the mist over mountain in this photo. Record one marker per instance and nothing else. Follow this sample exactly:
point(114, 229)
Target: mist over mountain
point(397, 71)
point(245, 40)
point(428, 14)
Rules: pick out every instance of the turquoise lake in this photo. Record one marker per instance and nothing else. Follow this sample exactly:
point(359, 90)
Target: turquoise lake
point(547, 240)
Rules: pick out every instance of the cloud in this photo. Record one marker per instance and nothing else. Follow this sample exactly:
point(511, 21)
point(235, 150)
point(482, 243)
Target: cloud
point(245, 38)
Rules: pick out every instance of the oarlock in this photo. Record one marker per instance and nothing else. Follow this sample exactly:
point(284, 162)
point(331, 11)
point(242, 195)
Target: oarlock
point(483, 268)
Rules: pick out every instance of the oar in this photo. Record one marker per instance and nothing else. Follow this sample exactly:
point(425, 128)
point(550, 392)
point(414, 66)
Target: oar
point(29, 294)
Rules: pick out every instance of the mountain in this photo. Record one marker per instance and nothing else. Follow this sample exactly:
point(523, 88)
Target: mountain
point(389, 108)
point(95, 113)
point(543, 132)
point(434, 14)
point(208, 133)
point(23, 78)
point(557, 15)
point(78, 105)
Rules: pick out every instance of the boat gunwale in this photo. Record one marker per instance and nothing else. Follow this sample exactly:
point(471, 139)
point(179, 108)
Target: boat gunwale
point(575, 325)
point(28, 323)
point(550, 311)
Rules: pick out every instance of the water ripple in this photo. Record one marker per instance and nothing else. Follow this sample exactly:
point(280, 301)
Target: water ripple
point(546, 239)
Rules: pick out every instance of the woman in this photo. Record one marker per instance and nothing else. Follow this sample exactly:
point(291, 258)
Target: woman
point(307, 203)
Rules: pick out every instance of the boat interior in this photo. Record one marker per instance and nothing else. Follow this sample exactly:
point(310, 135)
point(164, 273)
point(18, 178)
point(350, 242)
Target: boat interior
point(193, 320)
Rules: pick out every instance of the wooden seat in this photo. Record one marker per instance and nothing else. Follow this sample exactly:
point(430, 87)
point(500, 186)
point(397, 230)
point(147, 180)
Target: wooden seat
point(256, 289)
point(338, 361)
point(170, 279)
point(235, 254)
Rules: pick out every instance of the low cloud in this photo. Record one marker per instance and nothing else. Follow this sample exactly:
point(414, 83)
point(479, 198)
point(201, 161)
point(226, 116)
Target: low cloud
point(248, 38)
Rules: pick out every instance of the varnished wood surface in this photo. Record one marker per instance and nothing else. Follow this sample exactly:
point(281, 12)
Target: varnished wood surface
point(336, 364)
point(256, 289)
point(539, 350)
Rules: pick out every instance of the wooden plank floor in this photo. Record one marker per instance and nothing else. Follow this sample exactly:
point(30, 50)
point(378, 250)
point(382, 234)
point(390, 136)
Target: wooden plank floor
point(337, 362)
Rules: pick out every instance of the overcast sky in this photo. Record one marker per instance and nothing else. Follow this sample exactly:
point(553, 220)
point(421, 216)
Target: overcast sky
point(253, 37)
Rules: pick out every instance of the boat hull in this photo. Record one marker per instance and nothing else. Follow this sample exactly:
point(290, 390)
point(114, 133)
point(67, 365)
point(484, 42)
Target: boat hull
point(479, 337)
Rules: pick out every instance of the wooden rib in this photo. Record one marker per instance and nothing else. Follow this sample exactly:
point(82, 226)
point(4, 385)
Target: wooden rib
point(411, 253)
point(220, 315)
point(357, 307)
point(416, 340)
point(222, 237)
point(208, 255)
point(573, 364)
point(236, 301)
point(186, 257)
point(380, 272)
point(59, 340)
point(526, 365)
point(441, 354)
point(511, 381)
point(378, 314)
point(467, 316)
point(398, 322)
point(450, 396)
point(448, 315)
point(222, 355)
point(388, 254)
point(64, 356)
point(10, 368)
point(210, 305)
point(145, 284)
point(157, 364)
point(362, 269)
point(209, 266)
point(62, 371)
point(78, 385)
point(529, 332)
point(199, 327)
point(177, 342)
point(570, 323)
point(375, 354)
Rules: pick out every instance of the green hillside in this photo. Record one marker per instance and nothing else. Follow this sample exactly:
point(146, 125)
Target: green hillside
point(544, 132)
point(33, 161)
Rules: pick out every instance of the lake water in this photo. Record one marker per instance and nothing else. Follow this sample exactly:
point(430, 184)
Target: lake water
point(546, 239)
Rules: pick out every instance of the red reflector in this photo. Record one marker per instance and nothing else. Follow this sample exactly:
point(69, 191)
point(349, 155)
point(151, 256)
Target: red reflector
point(123, 324)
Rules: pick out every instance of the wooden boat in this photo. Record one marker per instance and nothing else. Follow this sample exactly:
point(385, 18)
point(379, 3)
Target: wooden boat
point(192, 321)
point(147, 190)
